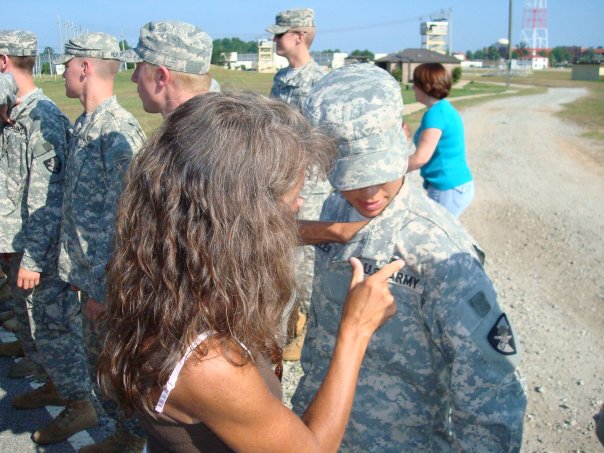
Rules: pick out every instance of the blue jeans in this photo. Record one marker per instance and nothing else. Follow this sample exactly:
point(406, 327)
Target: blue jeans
point(456, 199)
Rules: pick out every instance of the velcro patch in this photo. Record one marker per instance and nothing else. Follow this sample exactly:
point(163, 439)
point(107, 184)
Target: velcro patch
point(480, 304)
point(501, 338)
point(53, 165)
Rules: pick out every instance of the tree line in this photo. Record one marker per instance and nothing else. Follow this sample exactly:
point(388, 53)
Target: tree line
point(559, 55)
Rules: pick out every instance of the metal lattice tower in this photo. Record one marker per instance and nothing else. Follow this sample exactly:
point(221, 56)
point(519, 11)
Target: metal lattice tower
point(534, 26)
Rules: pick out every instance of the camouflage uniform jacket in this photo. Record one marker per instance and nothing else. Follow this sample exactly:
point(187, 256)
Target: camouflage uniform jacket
point(293, 87)
point(441, 374)
point(100, 150)
point(32, 170)
point(293, 90)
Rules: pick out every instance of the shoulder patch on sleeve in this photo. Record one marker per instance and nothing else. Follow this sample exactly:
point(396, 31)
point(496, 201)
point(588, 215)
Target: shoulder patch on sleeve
point(53, 165)
point(500, 336)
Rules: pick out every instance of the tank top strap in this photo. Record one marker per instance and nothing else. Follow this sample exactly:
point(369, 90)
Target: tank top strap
point(159, 407)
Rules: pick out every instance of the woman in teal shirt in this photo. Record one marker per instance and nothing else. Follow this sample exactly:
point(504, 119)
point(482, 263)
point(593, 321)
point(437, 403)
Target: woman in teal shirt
point(440, 141)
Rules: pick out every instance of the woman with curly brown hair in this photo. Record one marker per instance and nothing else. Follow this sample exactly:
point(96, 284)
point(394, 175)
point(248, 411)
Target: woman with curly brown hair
point(201, 275)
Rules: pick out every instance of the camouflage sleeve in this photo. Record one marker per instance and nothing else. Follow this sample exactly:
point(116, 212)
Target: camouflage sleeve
point(46, 150)
point(274, 91)
point(8, 90)
point(481, 354)
point(118, 147)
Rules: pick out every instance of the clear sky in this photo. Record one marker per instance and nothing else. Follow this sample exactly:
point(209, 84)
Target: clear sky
point(382, 26)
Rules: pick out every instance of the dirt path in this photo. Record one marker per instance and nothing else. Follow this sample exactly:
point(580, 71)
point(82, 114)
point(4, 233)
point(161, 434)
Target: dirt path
point(539, 215)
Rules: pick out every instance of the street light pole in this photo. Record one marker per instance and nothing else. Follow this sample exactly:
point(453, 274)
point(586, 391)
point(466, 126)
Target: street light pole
point(509, 62)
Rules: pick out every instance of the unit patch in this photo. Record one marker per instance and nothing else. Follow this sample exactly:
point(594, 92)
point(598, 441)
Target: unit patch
point(53, 165)
point(501, 337)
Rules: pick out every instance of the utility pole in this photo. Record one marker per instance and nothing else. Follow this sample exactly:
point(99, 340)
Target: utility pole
point(450, 31)
point(509, 65)
point(49, 62)
point(60, 35)
point(123, 64)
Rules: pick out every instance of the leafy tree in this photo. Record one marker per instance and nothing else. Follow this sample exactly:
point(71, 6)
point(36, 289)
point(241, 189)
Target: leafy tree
point(331, 51)
point(559, 55)
point(226, 45)
point(492, 53)
point(47, 51)
point(124, 44)
point(521, 50)
point(479, 54)
point(469, 55)
point(362, 53)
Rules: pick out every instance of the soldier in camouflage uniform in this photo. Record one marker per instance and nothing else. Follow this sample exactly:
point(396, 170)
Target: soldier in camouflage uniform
point(105, 138)
point(172, 65)
point(294, 31)
point(441, 375)
point(32, 168)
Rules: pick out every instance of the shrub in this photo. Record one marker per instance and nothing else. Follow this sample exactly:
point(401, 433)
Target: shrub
point(456, 74)
point(397, 74)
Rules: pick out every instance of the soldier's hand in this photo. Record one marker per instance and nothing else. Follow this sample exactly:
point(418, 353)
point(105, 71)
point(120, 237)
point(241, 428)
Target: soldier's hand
point(4, 116)
point(93, 309)
point(369, 303)
point(27, 279)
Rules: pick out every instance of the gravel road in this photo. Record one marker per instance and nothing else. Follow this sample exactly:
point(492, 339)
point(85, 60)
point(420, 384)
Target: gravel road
point(539, 216)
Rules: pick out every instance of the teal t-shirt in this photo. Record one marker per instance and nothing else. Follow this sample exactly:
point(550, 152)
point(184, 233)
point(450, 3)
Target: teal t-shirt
point(448, 167)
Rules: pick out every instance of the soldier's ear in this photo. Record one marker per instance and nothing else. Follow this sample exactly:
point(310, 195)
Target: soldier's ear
point(3, 62)
point(162, 76)
point(85, 66)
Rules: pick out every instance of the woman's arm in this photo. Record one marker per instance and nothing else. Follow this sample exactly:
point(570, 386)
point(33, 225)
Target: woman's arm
point(426, 145)
point(235, 403)
point(318, 232)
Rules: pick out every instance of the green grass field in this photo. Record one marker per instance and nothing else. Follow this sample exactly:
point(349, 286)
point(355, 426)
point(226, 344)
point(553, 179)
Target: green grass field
point(588, 111)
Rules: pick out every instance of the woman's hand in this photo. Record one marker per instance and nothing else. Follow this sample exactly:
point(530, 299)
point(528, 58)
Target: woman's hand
point(369, 303)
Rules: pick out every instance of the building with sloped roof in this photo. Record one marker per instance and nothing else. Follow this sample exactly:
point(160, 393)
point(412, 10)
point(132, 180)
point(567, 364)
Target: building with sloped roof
point(407, 60)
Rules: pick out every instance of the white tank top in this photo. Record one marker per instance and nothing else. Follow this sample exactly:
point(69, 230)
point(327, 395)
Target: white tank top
point(159, 407)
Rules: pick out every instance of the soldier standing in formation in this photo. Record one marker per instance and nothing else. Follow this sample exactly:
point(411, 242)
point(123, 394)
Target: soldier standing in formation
point(34, 148)
point(441, 374)
point(294, 31)
point(105, 138)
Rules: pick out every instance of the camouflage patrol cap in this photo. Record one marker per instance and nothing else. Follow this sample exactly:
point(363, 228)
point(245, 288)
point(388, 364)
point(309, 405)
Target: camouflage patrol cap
point(8, 89)
point(361, 107)
point(93, 45)
point(178, 46)
point(18, 43)
point(292, 18)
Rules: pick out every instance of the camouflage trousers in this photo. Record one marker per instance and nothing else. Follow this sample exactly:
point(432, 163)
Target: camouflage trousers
point(50, 322)
point(93, 339)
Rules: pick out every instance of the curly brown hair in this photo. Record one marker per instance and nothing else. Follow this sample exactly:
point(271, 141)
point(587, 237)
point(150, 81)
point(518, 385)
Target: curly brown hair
point(433, 79)
point(204, 240)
